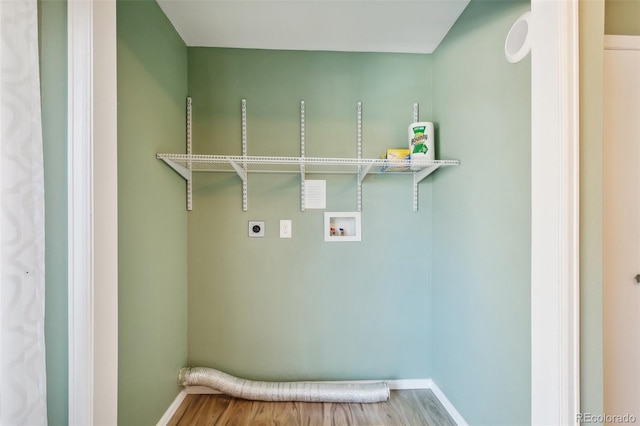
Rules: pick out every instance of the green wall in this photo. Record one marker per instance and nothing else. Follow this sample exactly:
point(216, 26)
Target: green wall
point(52, 36)
point(300, 308)
point(152, 231)
point(482, 220)
point(622, 17)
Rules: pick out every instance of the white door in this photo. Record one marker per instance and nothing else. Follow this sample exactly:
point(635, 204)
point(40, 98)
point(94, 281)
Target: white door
point(621, 244)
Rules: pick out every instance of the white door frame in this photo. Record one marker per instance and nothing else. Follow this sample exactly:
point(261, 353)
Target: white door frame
point(554, 247)
point(617, 399)
point(93, 212)
point(555, 281)
point(80, 222)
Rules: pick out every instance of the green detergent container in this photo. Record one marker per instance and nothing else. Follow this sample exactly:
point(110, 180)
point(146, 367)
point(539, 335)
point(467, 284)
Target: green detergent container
point(421, 144)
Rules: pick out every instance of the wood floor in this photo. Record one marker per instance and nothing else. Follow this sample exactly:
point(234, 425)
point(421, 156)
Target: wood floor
point(404, 408)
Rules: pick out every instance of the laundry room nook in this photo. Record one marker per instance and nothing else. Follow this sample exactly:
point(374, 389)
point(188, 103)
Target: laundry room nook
point(435, 288)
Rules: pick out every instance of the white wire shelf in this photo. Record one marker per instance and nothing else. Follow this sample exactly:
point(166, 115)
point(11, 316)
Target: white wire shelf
point(322, 165)
point(243, 165)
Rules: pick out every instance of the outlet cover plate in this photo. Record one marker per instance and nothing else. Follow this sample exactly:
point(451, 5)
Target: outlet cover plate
point(256, 228)
point(285, 228)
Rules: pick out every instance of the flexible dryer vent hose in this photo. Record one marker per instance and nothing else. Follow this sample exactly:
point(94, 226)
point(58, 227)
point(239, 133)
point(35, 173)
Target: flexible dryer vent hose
point(284, 391)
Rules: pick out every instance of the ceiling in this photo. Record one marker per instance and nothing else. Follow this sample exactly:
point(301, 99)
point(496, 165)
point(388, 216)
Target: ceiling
point(403, 26)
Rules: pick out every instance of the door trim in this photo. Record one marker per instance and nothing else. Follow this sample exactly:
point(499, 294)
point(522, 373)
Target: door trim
point(617, 50)
point(92, 212)
point(80, 211)
point(555, 301)
point(621, 42)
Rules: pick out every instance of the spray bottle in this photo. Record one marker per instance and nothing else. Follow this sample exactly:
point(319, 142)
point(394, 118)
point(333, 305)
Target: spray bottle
point(421, 143)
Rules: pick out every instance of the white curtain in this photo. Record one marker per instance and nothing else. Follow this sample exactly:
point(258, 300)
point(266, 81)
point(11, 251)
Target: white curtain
point(22, 356)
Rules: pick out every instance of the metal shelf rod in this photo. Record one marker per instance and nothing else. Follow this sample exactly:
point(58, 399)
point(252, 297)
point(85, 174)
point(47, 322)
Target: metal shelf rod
point(359, 155)
point(302, 168)
point(189, 163)
point(244, 155)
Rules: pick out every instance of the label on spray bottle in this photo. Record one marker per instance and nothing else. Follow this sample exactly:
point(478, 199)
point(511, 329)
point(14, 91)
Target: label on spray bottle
point(419, 140)
point(421, 144)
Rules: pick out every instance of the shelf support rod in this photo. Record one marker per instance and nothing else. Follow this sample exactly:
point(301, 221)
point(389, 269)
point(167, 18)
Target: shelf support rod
point(189, 162)
point(416, 175)
point(415, 192)
point(243, 175)
point(302, 168)
point(359, 155)
point(417, 178)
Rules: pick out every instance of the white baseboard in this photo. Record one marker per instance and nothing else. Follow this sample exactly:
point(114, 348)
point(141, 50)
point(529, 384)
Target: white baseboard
point(402, 384)
point(409, 384)
point(201, 390)
point(164, 420)
point(455, 415)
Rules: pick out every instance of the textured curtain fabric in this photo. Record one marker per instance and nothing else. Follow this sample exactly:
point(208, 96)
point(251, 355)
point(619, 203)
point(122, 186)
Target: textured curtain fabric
point(22, 355)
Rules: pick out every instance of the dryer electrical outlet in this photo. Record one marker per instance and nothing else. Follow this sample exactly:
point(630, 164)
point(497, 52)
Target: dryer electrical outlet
point(256, 228)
